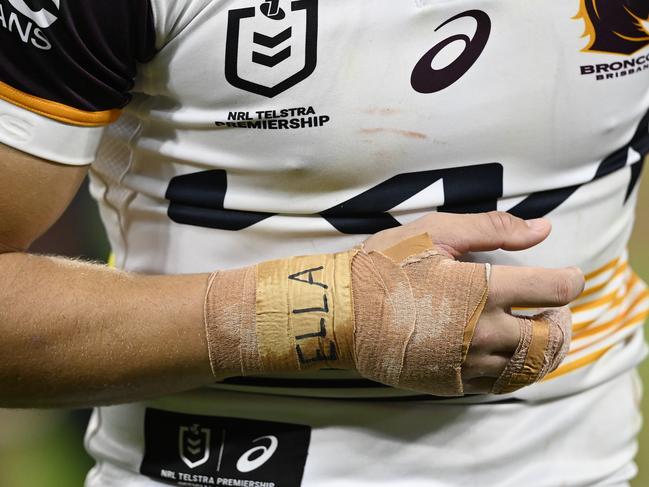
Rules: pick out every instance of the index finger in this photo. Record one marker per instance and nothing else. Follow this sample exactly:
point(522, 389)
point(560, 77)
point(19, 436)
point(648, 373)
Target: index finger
point(534, 286)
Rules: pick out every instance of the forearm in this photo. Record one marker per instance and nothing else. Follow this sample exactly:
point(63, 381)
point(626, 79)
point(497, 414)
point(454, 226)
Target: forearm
point(78, 334)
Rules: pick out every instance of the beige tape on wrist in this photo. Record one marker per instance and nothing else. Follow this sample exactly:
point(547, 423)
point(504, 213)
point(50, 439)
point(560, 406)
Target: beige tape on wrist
point(304, 313)
point(404, 317)
point(286, 316)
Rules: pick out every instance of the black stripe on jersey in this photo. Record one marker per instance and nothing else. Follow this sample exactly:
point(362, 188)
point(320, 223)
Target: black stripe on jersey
point(540, 204)
point(198, 199)
point(636, 172)
point(83, 55)
point(470, 189)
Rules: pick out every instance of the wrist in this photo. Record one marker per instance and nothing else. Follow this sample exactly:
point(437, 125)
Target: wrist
point(289, 315)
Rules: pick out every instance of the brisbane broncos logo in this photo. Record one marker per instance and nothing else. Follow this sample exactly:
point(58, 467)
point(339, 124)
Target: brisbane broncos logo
point(615, 26)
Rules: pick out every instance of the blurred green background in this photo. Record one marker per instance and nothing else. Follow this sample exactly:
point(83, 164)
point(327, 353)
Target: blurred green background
point(44, 448)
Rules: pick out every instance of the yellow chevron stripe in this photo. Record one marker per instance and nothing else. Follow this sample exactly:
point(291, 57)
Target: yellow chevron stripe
point(604, 326)
point(593, 357)
point(607, 298)
point(585, 324)
point(639, 318)
point(602, 270)
point(596, 303)
point(625, 324)
point(593, 290)
point(613, 299)
point(577, 364)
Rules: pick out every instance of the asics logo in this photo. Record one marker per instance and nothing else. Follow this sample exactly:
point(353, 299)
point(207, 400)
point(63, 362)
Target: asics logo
point(426, 79)
point(258, 455)
point(42, 18)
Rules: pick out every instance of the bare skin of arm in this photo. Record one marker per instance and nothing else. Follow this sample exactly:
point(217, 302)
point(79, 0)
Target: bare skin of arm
point(78, 334)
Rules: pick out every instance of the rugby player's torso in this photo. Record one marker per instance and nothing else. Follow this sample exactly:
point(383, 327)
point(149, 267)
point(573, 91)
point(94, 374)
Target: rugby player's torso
point(266, 129)
point(352, 109)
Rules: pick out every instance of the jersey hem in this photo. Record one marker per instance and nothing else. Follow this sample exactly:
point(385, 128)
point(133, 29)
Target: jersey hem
point(48, 139)
point(57, 111)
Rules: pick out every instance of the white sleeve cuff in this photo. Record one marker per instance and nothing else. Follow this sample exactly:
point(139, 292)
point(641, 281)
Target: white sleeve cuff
point(48, 139)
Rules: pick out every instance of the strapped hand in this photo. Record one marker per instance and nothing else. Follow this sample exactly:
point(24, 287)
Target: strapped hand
point(409, 316)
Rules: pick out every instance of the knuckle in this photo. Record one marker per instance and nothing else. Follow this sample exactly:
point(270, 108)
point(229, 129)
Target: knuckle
point(501, 363)
point(517, 334)
point(430, 218)
point(501, 222)
point(563, 289)
point(482, 339)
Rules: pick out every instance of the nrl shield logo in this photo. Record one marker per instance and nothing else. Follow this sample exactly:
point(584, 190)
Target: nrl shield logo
point(272, 46)
point(194, 445)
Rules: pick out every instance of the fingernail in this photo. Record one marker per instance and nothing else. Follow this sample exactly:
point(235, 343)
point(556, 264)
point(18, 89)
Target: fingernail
point(536, 224)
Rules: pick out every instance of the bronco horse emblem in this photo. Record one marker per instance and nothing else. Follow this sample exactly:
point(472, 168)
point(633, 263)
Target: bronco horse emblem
point(615, 26)
point(273, 46)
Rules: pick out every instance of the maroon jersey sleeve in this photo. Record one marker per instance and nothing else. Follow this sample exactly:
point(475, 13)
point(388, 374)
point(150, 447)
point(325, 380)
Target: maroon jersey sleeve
point(73, 61)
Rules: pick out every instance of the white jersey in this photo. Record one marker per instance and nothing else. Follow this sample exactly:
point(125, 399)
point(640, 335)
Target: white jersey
point(227, 132)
